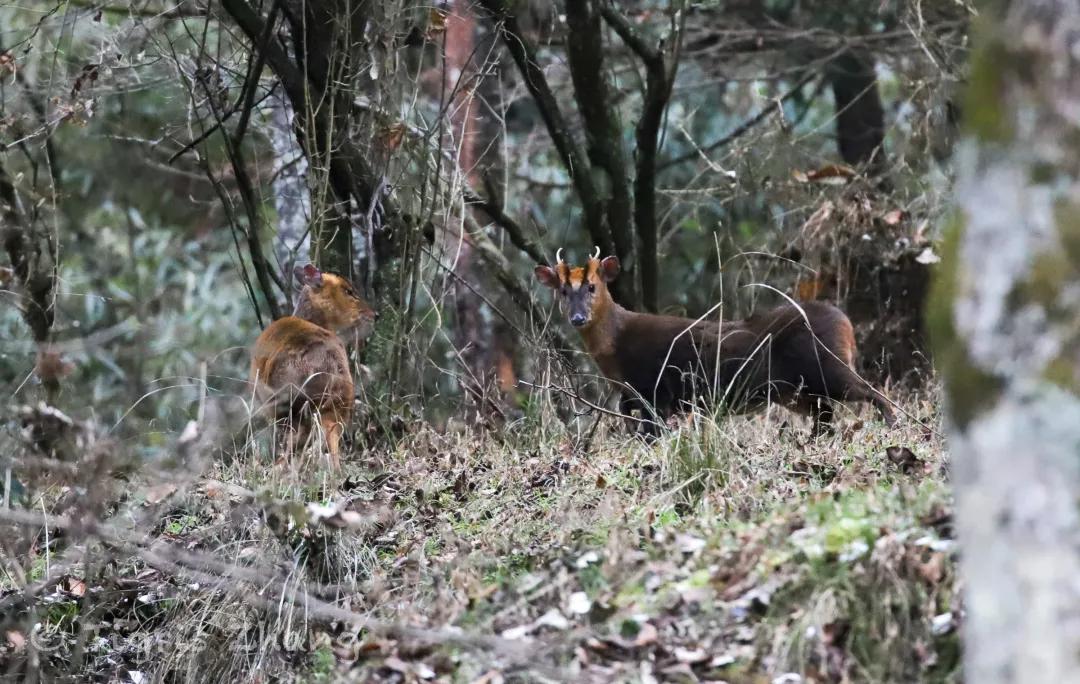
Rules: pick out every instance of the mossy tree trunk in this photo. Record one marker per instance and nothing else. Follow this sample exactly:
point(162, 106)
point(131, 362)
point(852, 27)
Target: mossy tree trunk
point(1004, 315)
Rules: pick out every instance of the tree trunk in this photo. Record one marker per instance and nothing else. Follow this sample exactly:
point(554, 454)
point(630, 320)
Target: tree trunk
point(860, 118)
point(291, 199)
point(603, 135)
point(1004, 318)
point(34, 275)
point(472, 333)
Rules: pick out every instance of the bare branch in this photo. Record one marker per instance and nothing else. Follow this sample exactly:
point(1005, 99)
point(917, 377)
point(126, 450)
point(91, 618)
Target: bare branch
point(659, 80)
point(742, 128)
point(493, 208)
point(603, 131)
point(33, 270)
point(573, 158)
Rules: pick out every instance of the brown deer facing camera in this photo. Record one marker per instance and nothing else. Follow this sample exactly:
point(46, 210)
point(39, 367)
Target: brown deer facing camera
point(299, 366)
point(799, 356)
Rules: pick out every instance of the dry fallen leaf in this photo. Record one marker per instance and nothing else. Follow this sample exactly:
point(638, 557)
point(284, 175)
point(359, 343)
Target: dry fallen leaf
point(579, 603)
point(397, 665)
point(75, 586)
point(587, 559)
point(814, 226)
point(894, 217)
point(436, 22)
point(160, 492)
point(489, 677)
point(807, 289)
point(688, 543)
point(392, 136)
point(831, 174)
point(942, 624)
point(927, 256)
point(554, 619)
point(932, 570)
point(16, 640)
point(685, 655)
point(646, 636)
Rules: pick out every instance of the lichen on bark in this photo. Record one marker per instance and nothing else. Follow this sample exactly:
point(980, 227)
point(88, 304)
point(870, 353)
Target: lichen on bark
point(968, 388)
point(1003, 316)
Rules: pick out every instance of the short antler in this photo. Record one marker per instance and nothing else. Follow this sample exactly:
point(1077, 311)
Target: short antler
point(558, 256)
point(596, 255)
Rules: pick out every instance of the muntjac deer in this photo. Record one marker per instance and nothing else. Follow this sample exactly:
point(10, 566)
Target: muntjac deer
point(799, 356)
point(299, 366)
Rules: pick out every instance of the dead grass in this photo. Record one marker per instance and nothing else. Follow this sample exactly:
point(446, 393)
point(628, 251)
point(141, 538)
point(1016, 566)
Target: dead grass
point(738, 550)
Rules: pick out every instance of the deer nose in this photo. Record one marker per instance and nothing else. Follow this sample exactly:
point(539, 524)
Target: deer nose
point(577, 320)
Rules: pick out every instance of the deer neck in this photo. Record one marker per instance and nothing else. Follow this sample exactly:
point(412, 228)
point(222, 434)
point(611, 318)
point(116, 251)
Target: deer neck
point(309, 310)
point(599, 336)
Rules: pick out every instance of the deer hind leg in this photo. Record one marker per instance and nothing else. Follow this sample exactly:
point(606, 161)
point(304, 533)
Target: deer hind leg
point(640, 423)
point(821, 410)
point(295, 425)
point(864, 392)
point(844, 384)
point(295, 437)
point(883, 405)
point(332, 427)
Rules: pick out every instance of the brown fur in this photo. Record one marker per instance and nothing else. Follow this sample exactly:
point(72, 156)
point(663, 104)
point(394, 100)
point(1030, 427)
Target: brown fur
point(299, 365)
point(802, 357)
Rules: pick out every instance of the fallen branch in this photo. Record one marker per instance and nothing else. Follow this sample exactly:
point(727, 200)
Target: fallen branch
point(217, 574)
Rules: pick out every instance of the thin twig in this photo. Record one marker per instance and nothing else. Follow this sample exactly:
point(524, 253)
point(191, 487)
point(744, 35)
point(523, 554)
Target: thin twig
point(577, 397)
point(742, 128)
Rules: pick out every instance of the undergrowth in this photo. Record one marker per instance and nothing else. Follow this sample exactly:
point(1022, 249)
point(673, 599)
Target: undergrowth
point(740, 550)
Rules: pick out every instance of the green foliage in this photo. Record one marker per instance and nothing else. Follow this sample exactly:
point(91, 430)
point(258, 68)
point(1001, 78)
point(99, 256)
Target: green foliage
point(323, 663)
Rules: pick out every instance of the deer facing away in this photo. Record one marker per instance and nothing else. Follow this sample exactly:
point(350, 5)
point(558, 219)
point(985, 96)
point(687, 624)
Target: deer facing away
point(299, 366)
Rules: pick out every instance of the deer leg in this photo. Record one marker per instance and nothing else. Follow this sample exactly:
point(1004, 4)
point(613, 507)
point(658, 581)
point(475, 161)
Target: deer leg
point(332, 428)
point(884, 407)
point(295, 438)
point(627, 404)
point(873, 396)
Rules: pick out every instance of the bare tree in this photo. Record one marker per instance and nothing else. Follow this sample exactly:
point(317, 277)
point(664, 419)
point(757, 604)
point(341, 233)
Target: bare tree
point(1005, 318)
point(600, 170)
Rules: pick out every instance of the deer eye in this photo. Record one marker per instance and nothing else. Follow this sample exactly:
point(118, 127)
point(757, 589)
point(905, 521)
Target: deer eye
point(592, 288)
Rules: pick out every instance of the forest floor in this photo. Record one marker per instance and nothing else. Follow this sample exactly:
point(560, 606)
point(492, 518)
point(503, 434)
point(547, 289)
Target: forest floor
point(737, 551)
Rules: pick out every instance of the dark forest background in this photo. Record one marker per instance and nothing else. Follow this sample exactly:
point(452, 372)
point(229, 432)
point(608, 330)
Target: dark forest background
point(165, 166)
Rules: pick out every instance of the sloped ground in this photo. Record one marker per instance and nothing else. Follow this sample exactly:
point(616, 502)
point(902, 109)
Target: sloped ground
point(742, 551)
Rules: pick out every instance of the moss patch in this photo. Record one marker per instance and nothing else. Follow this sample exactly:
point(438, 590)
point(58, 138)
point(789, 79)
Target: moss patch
point(943, 285)
point(969, 388)
point(1048, 274)
point(984, 102)
point(1067, 222)
point(1062, 372)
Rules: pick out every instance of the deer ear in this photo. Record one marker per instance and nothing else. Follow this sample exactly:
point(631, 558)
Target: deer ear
point(547, 276)
point(308, 274)
point(609, 268)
